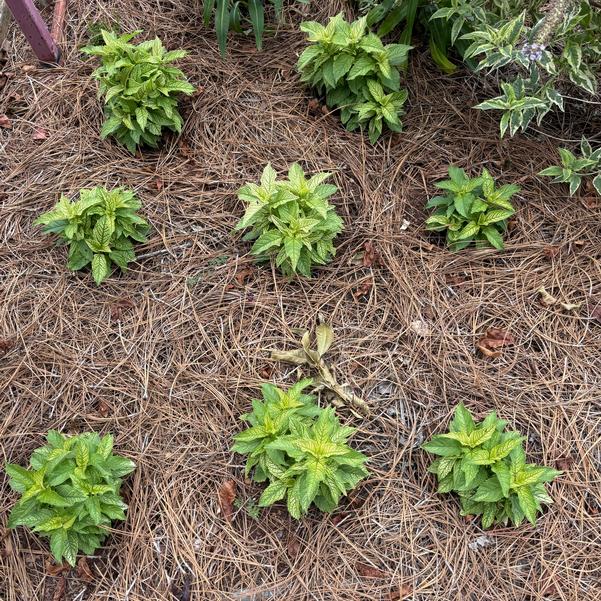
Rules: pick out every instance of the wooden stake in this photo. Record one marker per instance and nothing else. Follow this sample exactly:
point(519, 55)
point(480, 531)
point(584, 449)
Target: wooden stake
point(32, 25)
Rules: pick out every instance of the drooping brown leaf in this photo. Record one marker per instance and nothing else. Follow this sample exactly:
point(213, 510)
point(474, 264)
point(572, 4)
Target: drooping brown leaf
point(5, 122)
point(39, 133)
point(227, 495)
point(293, 547)
point(6, 543)
point(490, 345)
point(84, 570)
point(313, 106)
point(367, 571)
point(158, 183)
point(363, 289)
point(401, 592)
point(545, 298)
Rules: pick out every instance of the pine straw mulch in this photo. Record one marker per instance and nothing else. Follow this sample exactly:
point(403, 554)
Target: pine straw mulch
point(168, 355)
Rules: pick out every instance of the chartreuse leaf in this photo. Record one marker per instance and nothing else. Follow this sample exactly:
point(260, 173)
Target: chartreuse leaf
point(140, 88)
point(300, 449)
point(487, 468)
point(72, 495)
point(473, 211)
point(99, 229)
point(291, 221)
point(357, 73)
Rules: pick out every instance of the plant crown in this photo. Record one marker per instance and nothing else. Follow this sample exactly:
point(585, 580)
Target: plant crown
point(140, 89)
point(357, 73)
point(574, 168)
point(300, 449)
point(70, 494)
point(487, 468)
point(98, 228)
point(473, 209)
point(291, 219)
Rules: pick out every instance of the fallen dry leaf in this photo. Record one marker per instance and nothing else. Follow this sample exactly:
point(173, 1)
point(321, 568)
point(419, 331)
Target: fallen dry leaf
point(5, 346)
point(119, 306)
point(368, 571)
point(39, 133)
point(570, 306)
point(313, 105)
point(325, 110)
point(84, 571)
point(54, 569)
point(7, 542)
point(5, 122)
point(564, 463)
point(227, 495)
point(363, 289)
point(596, 313)
point(405, 225)
point(420, 327)
point(104, 408)
point(494, 340)
point(241, 275)
point(60, 589)
point(158, 183)
point(551, 251)
point(371, 257)
point(293, 547)
point(28, 68)
point(545, 298)
point(400, 593)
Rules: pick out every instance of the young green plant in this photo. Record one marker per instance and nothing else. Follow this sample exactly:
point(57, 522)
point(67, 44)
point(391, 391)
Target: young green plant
point(356, 72)
point(574, 169)
point(291, 220)
point(140, 88)
point(70, 493)
point(486, 467)
point(98, 228)
point(300, 449)
point(473, 209)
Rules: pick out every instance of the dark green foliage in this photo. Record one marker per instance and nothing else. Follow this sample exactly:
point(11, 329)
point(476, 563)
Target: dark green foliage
point(98, 228)
point(70, 494)
point(356, 72)
point(140, 89)
point(486, 466)
point(574, 168)
point(473, 210)
point(291, 220)
point(300, 449)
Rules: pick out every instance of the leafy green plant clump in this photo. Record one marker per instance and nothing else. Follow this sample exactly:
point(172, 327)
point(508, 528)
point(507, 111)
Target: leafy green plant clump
point(356, 72)
point(238, 16)
point(487, 468)
point(300, 449)
point(70, 494)
point(140, 89)
point(98, 228)
point(473, 210)
point(291, 220)
point(574, 168)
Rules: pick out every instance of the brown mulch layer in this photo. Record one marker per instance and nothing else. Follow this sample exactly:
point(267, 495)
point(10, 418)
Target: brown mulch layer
point(169, 354)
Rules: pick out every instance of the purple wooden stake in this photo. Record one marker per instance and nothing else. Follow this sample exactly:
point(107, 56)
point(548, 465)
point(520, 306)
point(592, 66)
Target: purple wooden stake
point(32, 25)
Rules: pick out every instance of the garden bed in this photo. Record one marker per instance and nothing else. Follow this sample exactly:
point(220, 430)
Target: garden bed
point(168, 355)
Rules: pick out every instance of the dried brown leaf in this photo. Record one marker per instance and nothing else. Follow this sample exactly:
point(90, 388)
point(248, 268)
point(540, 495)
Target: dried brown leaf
point(241, 275)
point(28, 68)
point(7, 542)
point(551, 251)
point(227, 495)
point(118, 307)
point(5, 346)
point(564, 463)
point(103, 408)
point(371, 257)
point(401, 592)
point(39, 133)
point(84, 570)
point(56, 569)
point(494, 340)
point(596, 313)
point(367, 571)
point(60, 589)
point(5, 122)
point(545, 298)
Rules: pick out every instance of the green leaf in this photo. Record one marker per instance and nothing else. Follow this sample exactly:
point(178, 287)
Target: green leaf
point(439, 445)
point(325, 337)
point(222, 20)
point(100, 267)
point(257, 19)
point(71, 548)
point(490, 491)
point(528, 503)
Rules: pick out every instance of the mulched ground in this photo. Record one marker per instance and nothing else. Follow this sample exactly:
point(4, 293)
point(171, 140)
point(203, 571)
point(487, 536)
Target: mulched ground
point(168, 355)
